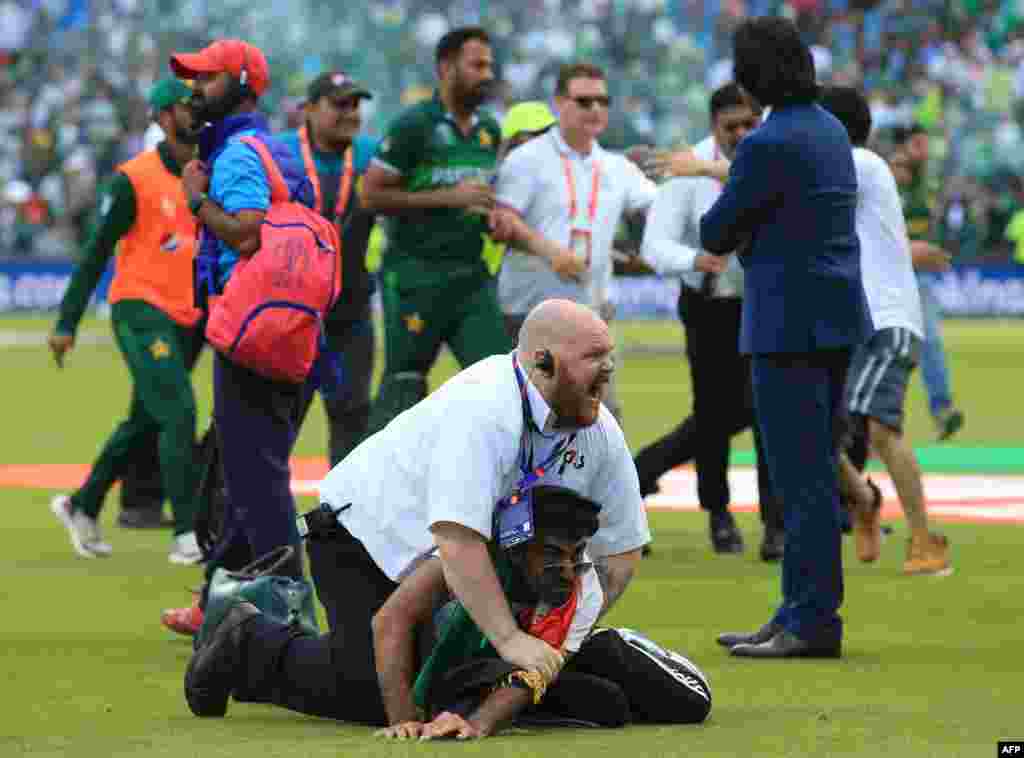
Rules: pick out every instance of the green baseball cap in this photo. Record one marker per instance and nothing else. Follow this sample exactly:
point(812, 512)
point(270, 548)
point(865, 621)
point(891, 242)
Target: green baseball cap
point(531, 116)
point(167, 92)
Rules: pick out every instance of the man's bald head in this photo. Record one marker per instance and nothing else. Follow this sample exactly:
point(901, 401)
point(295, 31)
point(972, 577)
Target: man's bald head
point(573, 377)
point(555, 324)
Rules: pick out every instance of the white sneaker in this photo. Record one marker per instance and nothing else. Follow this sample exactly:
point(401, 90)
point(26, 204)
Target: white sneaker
point(185, 550)
point(83, 531)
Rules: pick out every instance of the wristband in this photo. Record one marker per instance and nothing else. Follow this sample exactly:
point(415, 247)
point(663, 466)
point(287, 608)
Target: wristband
point(527, 680)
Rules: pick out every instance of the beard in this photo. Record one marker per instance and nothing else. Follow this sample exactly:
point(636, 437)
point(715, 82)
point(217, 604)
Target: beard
point(578, 406)
point(473, 97)
point(187, 135)
point(212, 111)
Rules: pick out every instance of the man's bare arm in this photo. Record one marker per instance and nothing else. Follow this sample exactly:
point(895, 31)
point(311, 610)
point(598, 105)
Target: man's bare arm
point(615, 572)
point(240, 231)
point(469, 573)
point(500, 707)
point(382, 193)
point(509, 226)
point(394, 638)
point(925, 256)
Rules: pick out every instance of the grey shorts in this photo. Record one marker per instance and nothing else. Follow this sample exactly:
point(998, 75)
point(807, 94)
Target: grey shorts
point(876, 384)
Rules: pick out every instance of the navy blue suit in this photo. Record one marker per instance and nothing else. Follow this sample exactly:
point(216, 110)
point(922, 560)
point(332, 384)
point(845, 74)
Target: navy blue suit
point(789, 207)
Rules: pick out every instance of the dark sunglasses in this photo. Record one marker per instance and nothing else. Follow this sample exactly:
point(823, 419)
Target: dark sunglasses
point(586, 103)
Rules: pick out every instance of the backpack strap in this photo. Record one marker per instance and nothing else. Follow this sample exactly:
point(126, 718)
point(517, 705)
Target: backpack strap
point(278, 188)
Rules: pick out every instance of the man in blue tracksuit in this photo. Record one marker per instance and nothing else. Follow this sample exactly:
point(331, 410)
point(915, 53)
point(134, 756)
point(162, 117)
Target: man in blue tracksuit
point(335, 158)
point(229, 193)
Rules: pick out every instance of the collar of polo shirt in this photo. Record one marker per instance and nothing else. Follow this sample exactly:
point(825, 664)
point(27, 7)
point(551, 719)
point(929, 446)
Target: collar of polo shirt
point(565, 149)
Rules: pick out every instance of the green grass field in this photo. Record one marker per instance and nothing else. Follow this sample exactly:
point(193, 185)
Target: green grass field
point(932, 666)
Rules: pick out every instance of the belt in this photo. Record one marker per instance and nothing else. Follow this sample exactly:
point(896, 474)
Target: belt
point(694, 292)
point(321, 522)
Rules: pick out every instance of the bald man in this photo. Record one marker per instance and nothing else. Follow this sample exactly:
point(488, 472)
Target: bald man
point(443, 480)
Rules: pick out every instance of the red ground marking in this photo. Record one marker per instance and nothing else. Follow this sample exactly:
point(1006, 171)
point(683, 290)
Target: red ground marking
point(972, 498)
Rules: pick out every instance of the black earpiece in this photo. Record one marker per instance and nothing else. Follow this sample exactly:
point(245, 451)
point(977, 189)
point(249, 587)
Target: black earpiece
point(546, 363)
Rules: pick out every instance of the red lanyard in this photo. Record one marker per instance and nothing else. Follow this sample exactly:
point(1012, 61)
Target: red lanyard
point(595, 187)
point(344, 189)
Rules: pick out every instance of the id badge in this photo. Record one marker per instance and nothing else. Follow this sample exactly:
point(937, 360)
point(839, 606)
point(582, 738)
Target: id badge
point(579, 243)
point(513, 519)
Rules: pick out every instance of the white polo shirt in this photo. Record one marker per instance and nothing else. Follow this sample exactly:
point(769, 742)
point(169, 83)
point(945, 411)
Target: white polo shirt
point(452, 456)
point(672, 236)
point(886, 267)
point(532, 181)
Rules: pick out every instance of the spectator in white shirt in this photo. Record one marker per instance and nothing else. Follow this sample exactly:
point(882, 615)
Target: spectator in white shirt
point(428, 484)
point(710, 307)
point(561, 199)
point(876, 385)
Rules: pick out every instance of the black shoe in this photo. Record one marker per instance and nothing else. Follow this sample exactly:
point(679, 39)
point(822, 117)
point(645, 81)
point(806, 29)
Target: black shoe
point(209, 677)
point(948, 423)
point(773, 544)
point(646, 551)
point(143, 518)
point(765, 633)
point(725, 535)
point(785, 644)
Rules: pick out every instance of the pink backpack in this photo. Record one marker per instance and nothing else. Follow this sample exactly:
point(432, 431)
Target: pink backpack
point(270, 316)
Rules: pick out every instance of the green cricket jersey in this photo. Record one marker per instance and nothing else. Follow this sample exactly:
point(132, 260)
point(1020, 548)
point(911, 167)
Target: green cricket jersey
point(424, 145)
point(917, 207)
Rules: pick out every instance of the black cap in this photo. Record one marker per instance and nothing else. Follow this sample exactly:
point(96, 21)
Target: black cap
point(564, 512)
point(335, 84)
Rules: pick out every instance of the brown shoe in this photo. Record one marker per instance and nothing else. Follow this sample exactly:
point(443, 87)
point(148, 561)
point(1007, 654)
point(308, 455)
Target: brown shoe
point(928, 556)
point(867, 527)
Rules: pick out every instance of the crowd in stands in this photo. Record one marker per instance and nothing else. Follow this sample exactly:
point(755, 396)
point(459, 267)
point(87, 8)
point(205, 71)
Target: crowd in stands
point(73, 74)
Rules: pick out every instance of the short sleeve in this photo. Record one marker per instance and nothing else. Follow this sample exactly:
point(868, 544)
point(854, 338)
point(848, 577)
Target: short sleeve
point(623, 518)
point(238, 181)
point(466, 470)
point(401, 150)
point(588, 610)
point(517, 182)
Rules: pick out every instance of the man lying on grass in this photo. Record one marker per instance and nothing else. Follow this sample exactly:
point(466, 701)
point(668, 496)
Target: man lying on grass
point(610, 677)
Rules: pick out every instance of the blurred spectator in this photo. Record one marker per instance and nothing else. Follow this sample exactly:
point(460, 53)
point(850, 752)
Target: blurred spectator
point(72, 74)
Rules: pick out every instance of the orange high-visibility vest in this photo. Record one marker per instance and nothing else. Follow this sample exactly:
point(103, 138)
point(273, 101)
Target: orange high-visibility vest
point(154, 259)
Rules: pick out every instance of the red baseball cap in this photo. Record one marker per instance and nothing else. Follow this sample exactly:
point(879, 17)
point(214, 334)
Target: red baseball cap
point(238, 58)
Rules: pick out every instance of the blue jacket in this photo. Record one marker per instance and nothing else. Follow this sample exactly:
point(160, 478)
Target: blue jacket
point(789, 208)
point(238, 182)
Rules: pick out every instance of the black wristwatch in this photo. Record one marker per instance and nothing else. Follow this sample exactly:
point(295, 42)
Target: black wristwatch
point(197, 203)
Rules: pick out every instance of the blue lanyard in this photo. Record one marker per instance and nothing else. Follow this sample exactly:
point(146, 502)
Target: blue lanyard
point(532, 474)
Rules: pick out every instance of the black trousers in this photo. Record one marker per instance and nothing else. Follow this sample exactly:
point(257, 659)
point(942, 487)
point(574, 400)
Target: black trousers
point(348, 407)
point(255, 421)
point(723, 406)
point(334, 675)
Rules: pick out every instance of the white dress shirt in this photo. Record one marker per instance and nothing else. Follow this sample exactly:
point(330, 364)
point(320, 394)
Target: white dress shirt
point(452, 456)
point(532, 181)
point(672, 236)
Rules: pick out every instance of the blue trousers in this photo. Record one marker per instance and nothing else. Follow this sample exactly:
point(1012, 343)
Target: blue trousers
point(256, 426)
point(934, 370)
point(798, 401)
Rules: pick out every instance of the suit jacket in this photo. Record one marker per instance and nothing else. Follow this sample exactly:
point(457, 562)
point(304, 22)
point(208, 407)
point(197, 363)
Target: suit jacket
point(789, 205)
